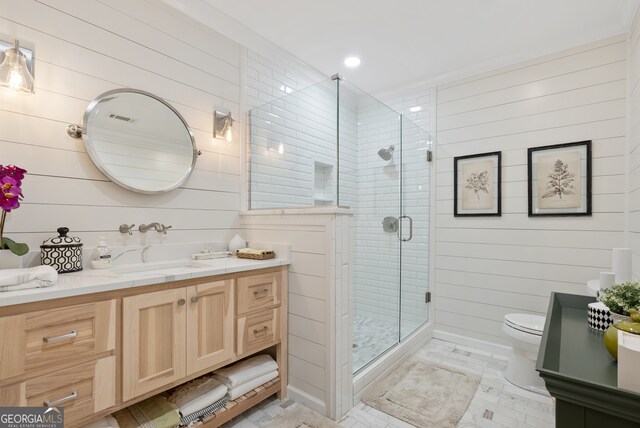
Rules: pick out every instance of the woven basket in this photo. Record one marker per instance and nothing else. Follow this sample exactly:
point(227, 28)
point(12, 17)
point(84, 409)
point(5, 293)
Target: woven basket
point(264, 255)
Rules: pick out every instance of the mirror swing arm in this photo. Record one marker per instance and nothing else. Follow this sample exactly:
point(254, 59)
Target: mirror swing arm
point(137, 140)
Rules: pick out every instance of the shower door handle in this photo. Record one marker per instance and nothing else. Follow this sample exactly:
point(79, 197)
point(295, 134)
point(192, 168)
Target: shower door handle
point(410, 228)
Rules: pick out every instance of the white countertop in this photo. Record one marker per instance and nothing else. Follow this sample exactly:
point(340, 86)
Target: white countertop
point(99, 280)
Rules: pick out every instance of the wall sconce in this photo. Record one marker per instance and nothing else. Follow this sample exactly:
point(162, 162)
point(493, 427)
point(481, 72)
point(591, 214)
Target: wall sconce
point(223, 126)
point(16, 69)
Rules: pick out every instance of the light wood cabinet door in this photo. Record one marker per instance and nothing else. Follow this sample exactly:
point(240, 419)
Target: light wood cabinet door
point(153, 340)
point(210, 324)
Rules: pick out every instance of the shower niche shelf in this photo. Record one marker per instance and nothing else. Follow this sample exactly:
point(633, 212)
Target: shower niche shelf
point(323, 188)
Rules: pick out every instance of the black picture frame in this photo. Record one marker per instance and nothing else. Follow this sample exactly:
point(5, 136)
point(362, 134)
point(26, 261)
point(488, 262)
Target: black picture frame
point(577, 201)
point(463, 201)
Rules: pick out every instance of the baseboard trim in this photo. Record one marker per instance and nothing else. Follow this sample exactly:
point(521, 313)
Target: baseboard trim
point(483, 345)
point(308, 400)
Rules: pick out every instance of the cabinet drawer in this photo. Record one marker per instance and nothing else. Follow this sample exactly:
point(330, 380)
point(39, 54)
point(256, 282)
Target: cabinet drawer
point(258, 292)
point(82, 389)
point(258, 330)
point(55, 337)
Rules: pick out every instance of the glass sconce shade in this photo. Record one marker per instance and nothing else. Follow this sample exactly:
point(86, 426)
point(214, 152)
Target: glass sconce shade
point(14, 72)
point(223, 126)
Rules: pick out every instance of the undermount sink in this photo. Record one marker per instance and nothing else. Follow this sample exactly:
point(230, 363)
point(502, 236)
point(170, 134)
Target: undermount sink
point(159, 268)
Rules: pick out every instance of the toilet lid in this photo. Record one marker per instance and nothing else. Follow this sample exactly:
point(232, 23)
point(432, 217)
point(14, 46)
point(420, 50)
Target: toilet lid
point(533, 324)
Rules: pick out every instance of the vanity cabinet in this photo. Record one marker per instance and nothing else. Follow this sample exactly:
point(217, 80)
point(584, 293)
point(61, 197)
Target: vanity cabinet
point(174, 333)
point(97, 353)
point(60, 357)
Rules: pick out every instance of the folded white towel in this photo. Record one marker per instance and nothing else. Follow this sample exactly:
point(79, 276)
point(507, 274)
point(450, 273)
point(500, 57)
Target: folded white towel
point(246, 370)
point(21, 279)
point(246, 387)
point(106, 422)
point(197, 394)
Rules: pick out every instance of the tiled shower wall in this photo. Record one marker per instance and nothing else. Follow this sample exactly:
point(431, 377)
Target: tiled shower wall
point(293, 142)
point(291, 138)
point(377, 253)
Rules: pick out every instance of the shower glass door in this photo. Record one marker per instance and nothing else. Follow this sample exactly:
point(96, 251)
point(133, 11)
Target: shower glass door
point(414, 233)
point(369, 182)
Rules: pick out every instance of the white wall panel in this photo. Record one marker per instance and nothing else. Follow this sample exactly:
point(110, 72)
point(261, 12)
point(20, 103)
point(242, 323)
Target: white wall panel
point(83, 49)
point(487, 267)
point(633, 160)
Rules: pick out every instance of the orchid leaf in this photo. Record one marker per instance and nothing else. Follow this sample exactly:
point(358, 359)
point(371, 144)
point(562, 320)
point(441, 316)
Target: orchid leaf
point(16, 248)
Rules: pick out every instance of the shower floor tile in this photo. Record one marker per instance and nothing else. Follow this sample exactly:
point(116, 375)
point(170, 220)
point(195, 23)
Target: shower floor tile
point(371, 337)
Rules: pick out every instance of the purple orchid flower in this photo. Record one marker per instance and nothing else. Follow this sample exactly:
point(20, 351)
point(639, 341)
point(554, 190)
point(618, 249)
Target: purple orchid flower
point(14, 172)
point(11, 193)
point(11, 177)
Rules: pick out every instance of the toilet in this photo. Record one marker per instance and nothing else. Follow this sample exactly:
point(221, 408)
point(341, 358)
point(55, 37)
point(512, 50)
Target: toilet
point(524, 333)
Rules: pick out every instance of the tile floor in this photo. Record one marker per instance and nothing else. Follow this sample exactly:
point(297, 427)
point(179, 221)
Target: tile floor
point(496, 404)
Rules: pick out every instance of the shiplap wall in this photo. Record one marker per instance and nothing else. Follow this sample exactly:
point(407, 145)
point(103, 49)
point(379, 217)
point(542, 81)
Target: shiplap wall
point(634, 143)
point(488, 267)
point(319, 304)
point(82, 49)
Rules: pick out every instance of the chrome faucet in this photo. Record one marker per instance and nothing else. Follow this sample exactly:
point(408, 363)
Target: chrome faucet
point(125, 228)
point(145, 227)
point(162, 228)
point(155, 225)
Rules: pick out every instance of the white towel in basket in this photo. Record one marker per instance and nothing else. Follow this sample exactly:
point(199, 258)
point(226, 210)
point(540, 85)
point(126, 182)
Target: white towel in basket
point(246, 387)
point(246, 371)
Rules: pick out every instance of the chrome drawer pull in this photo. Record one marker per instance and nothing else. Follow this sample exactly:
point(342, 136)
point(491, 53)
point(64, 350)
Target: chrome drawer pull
point(262, 330)
point(55, 339)
point(56, 403)
point(265, 292)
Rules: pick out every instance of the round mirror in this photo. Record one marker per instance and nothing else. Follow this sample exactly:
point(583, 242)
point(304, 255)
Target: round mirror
point(139, 141)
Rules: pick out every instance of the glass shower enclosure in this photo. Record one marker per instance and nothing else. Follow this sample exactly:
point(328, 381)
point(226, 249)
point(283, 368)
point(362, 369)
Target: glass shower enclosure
point(333, 144)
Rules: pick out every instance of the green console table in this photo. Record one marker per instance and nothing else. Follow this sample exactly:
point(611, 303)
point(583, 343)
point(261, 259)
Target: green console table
point(578, 371)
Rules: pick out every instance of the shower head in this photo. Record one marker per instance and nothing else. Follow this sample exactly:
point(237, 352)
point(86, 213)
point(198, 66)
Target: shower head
point(386, 154)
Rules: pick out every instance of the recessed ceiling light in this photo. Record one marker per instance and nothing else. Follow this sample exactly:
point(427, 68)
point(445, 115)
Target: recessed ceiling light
point(415, 109)
point(352, 61)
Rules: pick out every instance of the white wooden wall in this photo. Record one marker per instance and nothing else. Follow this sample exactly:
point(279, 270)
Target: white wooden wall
point(633, 166)
point(320, 303)
point(488, 267)
point(82, 49)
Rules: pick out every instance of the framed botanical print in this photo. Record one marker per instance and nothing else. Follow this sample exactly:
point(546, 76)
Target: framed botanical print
point(476, 185)
point(560, 179)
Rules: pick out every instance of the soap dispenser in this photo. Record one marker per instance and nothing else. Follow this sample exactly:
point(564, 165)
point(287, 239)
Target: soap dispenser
point(103, 255)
